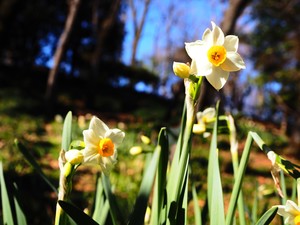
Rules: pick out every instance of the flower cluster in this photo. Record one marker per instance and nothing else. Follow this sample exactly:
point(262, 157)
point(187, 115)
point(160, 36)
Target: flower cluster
point(100, 146)
point(213, 57)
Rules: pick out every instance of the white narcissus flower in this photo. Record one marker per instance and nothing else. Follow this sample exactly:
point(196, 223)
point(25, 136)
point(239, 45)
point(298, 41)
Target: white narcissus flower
point(207, 116)
point(291, 212)
point(101, 144)
point(215, 56)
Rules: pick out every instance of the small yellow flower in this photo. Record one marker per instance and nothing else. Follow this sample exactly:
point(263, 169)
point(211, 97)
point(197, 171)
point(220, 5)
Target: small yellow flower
point(181, 70)
point(291, 212)
point(101, 144)
point(215, 56)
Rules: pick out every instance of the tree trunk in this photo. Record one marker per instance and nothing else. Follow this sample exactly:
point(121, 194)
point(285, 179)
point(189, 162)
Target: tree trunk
point(137, 27)
point(60, 50)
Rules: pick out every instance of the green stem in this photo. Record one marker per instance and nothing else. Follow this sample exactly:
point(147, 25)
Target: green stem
point(298, 190)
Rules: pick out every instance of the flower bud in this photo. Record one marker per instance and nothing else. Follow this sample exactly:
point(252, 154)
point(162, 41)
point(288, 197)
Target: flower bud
point(74, 156)
point(181, 70)
point(135, 150)
point(146, 140)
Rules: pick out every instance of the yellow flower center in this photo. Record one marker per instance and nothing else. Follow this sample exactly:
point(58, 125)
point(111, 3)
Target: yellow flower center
point(297, 220)
point(106, 147)
point(216, 55)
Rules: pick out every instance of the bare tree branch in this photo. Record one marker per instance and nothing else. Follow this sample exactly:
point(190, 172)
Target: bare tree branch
point(73, 9)
point(137, 26)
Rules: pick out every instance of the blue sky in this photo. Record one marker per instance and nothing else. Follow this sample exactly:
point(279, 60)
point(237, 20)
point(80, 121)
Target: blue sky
point(194, 16)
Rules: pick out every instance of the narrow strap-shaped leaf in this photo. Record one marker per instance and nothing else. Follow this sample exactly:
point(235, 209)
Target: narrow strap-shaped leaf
point(6, 207)
point(215, 192)
point(197, 210)
point(19, 213)
point(67, 132)
point(160, 182)
point(138, 214)
point(114, 210)
point(21, 219)
point(239, 179)
point(33, 163)
point(101, 205)
point(77, 214)
point(267, 217)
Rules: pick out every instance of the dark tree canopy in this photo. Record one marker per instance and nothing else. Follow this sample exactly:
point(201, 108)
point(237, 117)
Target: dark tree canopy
point(276, 54)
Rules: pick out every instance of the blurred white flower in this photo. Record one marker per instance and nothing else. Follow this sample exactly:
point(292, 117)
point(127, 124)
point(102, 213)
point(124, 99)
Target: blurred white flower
point(207, 116)
point(291, 212)
point(215, 56)
point(101, 144)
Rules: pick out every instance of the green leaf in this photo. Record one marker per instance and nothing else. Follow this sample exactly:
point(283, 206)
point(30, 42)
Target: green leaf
point(239, 179)
point(101, 204)
point(67, 132)
point(138, 214)
point(160, 182)
point(76, 214)
point(33, 163)
point(115, 212)
point(7, 212)
point(19, 212)
point(268, 216)
point(197, 210)
point(214, 186)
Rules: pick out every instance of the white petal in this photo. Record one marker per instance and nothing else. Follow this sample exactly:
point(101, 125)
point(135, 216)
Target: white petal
point(107, 163)
point(233, 62)
point(193, 49)
point(91, 158)
point(206, 37)
point(90, 138)
point(218, 77)
point(292, 208)
point(199, 116)
point(193, 68)
point(98, 126)
point(115, 135)
point(217, 35)
point(231, 43)
point(204, 67)
point(209, 113)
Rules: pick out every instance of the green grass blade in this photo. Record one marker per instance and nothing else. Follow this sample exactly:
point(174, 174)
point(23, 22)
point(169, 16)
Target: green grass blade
point(160, 182)
point(76, 214)
point(267, 217)
point(238, 180)
point(197, 210)
point(6, 207)
point(33, 163)
point(67, 132)
point(138, 214)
